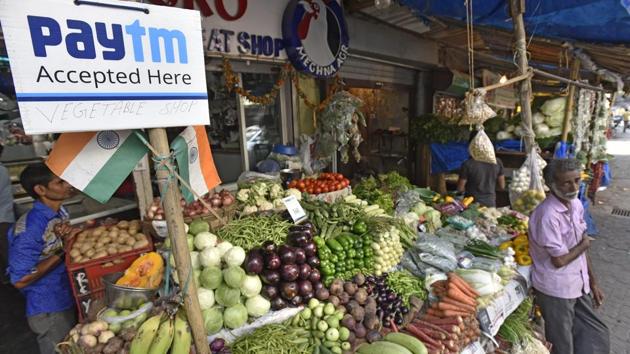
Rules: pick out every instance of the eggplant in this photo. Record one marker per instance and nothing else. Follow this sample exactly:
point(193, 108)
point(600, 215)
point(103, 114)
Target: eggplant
point(278, 303)
point(270, 277)
point(307, 297)
point(305, 271)
point(299, 238)
point(288, 290)
point(287, 254)
point(305, 287)
point(313, 261)
point(315, 275)
point(297, 301)
point(270, 292)
point(268, 247)
point(302, 227)
point(300, 256)
point(317, 285)
point(254, 262)
point(289, 272)
point(310, 249)
point(272, 261)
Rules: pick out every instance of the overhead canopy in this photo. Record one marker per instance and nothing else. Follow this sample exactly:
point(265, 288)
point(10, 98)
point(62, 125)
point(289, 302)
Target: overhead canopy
point(600, 21)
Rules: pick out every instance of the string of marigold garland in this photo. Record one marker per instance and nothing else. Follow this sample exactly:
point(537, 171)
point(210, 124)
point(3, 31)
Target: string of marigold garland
point(233, 84)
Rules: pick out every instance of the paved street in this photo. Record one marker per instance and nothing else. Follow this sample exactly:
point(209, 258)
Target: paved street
point(611, 250)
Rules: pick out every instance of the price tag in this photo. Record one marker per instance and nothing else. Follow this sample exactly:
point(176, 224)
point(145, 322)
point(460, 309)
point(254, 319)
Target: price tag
point(294, 208)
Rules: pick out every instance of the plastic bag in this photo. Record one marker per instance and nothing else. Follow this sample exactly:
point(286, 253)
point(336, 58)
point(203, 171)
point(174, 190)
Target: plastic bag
point(481, 148)
point(477, 110)
point(527, 188)
point(441, 263)
point(250, 177)
point(436, 246)
point(459, 223)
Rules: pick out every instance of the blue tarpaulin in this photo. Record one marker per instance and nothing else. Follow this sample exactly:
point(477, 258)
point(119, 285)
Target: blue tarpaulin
point(602, 21)
point(509, 145)
point(448, 157)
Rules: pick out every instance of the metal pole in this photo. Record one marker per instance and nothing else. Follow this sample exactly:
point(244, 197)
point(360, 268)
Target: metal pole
point(175, 223)
point(517, 8)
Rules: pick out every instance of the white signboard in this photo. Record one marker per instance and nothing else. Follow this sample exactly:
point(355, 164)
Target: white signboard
point(239, 27)
point(77, 66)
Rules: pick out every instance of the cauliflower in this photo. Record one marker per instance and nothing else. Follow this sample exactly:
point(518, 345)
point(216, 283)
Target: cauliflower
point(265, 206)
point(260, 189)
point(250, 209)
point(279, 204)
point(294, 192)
point(243, 195)
point(276, 191)
point(259, 201)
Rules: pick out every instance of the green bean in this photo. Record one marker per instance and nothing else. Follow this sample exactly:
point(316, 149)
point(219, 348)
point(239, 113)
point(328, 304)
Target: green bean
point(251, 231)
point(274, 338)
point(406, 285)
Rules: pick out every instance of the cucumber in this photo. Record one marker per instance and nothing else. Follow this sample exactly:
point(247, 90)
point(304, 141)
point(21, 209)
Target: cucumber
point(383, 347)
point(411, 343)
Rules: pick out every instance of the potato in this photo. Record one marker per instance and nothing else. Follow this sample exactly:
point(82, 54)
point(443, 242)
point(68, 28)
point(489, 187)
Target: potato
point(100, 249)
point(74, 253)
point(112, 250)
point(100, 254)
point(97, 232)
point(112, 234)
point(123, 224)
point(122, 240)
point(140, 244)
point(139, 237)
point(124, 248)
point(89, 253)
point(130, 241)
point(78, 259)
point(86, 247)
point(133, 231)
point(118, 261)
point(106, 240)
point(123, 233)
point(108, 264)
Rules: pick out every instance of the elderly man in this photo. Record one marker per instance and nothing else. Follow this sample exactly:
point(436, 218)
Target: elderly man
point(562, 276)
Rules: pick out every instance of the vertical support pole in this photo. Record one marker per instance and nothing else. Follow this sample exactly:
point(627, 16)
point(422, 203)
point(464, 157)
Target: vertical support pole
point(175, 221)
point(568, 112)
point(142, 181)
point(517, 8)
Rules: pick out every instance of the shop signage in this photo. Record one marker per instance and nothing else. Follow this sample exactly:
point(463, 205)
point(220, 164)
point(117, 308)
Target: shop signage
point(81, 67)
point(315, 36)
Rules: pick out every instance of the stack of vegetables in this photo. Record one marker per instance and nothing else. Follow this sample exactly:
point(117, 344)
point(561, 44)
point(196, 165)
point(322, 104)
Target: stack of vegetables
point(346, 254)
point(382, 190)
point(520, 245)
point(290, 271)
point(324, 183)
point(263, 196)
point(323, 321)
point(218, 200)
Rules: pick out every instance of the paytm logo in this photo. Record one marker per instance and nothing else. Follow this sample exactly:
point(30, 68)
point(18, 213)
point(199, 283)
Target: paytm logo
point(79, 40)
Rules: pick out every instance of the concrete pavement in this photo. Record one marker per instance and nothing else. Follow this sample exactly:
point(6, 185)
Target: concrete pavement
point(610, 252)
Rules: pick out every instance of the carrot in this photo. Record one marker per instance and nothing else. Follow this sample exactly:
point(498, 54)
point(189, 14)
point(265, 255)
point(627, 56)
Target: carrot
point(458, 303)
point(434, 312)
point(449, 313)
point(461, 283)
point(431, 318)
point(456, 320)
point(456, 294)
point(393, 325)
point(443, 305)
point(418, 333)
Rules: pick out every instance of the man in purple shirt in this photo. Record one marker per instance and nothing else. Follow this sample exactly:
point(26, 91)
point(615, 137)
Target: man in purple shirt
point(566, 289)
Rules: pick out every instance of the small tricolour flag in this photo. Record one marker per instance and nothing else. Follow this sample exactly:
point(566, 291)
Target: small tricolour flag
point(96, 163)
point(194, 162)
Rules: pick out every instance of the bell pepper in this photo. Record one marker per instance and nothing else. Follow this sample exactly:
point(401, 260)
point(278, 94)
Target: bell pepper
point(359, 227)
point(522, 249)
point(520, 240)
point(467, 201)
point(449, 199)
point(523, 259)
point(334, 245)
point(505, 245)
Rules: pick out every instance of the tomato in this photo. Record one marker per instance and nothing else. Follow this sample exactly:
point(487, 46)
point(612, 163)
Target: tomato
point(301, 185)
point(317, 190)
point(325, 189)
point(340, 186)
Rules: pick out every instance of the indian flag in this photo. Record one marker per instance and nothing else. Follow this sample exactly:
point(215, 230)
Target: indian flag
point(194, 162)
point(96, 162)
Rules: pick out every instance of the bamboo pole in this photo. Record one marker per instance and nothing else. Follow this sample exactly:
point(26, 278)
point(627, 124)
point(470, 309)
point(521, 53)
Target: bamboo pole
point(568, 111)
point(175, 221)
point(517, 8)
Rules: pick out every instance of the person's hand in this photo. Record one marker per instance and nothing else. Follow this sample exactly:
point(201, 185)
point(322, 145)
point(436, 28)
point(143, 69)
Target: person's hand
point(64, 231)
point(598, 295)
point(586, 241)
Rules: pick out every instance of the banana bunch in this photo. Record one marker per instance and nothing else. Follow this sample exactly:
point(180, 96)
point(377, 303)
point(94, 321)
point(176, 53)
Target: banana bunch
point(160, 333)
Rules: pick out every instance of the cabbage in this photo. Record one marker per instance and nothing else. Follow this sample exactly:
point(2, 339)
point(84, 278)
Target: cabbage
point(227, 296)
point(235, 256)
point(223, 247)
point(233, 276)
point(293, 192)
point(538, 118)
point(194, 260)
point(555, 131)
point(197, 277)
point(211, 277)
point(210, 257)
point(198, 226)
point(251, 286)
point(555, 120)
point(206, 298)
point(235, 316)
point(503, 135)
point(257, 306)
point(541, 130)
point(553, 106)
point(212, 320)
point(204, 240)
point(420, 208)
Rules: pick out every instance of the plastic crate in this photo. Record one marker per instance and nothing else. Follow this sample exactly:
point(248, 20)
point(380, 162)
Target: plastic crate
point(85, 278)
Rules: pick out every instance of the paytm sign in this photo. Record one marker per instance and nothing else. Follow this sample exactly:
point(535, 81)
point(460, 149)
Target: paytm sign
point(103, 65)
point(46, 31)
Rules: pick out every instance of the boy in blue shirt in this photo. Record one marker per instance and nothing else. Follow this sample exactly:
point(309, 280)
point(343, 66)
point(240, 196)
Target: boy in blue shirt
point(36, 255)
